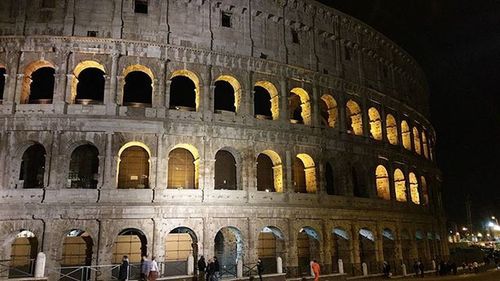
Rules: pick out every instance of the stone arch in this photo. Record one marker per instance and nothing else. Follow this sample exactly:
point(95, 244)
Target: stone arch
point(32, 170)
point(229, 248)
point(341, 248)
point(329, 111)
point(308, 249)
point(24, 249)
point(266, 107)
point(416, 141)
point(405, 135)
point(271, 244)
point(389, 246)
point(131, 242)
point(300, 106)
point(304, 174)
point(406, 246)
point(226, 172)
point(133, 165)
point(188, 81)
point(375, 123)
point(34, 90)
point(367, 248)
point(269, 172)
point(400, 185)
point(414, 190)
point(181, 242)
point(354, 118)
point(425, 145)
point(76, 251)
point(382, 183)
point(183, 167)
point(84, 89)
point(420, 238)
point(84, 167)
point(392, 129)
point(234, 84)
point(138, 87)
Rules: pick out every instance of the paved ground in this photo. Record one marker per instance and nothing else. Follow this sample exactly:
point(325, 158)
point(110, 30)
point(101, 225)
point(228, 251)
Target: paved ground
point(485, 276)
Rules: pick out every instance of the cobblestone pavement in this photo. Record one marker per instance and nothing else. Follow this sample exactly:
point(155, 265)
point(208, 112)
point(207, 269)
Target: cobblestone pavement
point(484, 276)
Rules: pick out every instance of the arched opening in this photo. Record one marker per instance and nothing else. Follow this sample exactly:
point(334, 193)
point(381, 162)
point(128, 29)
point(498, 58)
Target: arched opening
point(88, 83)
point(329, 179)
point(421, 252)
point(359, 184)
point(181, 243)
point(228, 249)
point(375, 123)
point(270, 246)
point(77, 252)
point(416, 141)
point(304, 174)
point(24, 250)
point(84, 167)
point(182, 168)
point(133, 171)
point(133, 243)
point(432, 248)
point(341, 248)
point(299, 106)
point(225, 170)
point(425, 191)
point(439, 249)
point(415, 198)
point(42, 86)
point(389, 247)
point(269, 172)
point(138, 89)
point(392, 129)
point(265, 101)
point(184, 91)
point(3, 72)
point(400, 185)
point(405, 135)
point(354, 118)
point(425, 145)
point(32, 169)
point(329, 111)
point(227, 94)
point(308, 249)
point(367, 251)
point(406, 246)
point(382, 183)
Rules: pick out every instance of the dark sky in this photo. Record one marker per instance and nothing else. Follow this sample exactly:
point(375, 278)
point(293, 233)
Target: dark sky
point(457, 43)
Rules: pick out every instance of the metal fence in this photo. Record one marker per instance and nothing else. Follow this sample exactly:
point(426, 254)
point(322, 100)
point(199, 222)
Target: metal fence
point(17, 271)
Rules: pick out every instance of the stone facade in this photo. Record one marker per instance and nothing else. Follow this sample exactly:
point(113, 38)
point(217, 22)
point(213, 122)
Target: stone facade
point(290, 44)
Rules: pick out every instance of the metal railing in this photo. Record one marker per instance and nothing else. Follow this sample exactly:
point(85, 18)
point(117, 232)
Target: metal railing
point(17, 271)
point(86, 273)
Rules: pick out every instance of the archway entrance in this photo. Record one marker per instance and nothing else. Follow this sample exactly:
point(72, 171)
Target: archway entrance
point(271, 245)
point(341, 249)
point(181, 243)
point(308, 248)
point(228, 249)
point(23, 254)
point(77, 252)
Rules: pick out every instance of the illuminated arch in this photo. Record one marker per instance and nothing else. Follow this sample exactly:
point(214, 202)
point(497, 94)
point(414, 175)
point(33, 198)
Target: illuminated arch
point(400, 185)
point(277, 171)
point(124, 178)
point(392, 129)
point(354, 118)
point(193, 77)
point(415, 197)
point(309, 172)
point(273, 97)
point(330, 112)
point(76, 73)
point(416, 141)
point(382, 182)
point(196, 162)
point(236, 87)
point(28, 71)
point(131, 242)
point(76, 249)
point(425, 145)
point(134, 70)
point(405, 135)
point(375, 123)
point(305, 105)
point(270, 245)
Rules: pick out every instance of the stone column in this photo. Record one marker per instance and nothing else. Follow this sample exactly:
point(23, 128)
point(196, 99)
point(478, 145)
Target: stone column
point(116, 21)
point(315, 105)
point(69, 18)
point(292, 261)
point(327, 248)
point(283, 106)
point(355, 245)
point(288, 186)
point(53, 163)
point(248, 97)
point(366, 119)
point(379, 243)
point(111, 93)
point(109, 176)
point(342, 114)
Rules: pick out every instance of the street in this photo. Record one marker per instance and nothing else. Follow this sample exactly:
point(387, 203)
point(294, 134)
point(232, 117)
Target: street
point(484, 276)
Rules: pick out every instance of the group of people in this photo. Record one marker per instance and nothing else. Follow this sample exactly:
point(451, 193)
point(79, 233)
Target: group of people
point(149, 269)
point(208, 271)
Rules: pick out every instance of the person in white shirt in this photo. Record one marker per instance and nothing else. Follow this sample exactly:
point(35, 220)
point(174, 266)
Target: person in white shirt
point(153, 269)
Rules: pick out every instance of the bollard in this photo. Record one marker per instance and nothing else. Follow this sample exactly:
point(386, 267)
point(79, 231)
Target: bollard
point(311, 268)
point(433, 265)
point(239, 269)
point(403, 269)
point(341, 266)
point(279, 265)
point(365, 269)
point(40, 265)
point(190, 266)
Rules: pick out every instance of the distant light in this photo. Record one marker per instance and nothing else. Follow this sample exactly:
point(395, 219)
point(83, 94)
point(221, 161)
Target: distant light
point(464, 228)
point(267, 190)
point(479, 234)
point(493, 218)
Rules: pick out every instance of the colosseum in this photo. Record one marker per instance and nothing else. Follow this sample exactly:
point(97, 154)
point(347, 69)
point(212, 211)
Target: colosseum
point(276, 129)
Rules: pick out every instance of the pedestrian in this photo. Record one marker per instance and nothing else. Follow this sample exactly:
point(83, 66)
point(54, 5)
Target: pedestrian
point(316, 269)
point(202, 265)
point(475, 265)
point(454, 268)
point(216, 269)
point(260, 268)
point(153, 269)
point(386, 269)
point(416, 268)
point(124, 269)
point(421, 268)
point(210, 270)
point(144, 268)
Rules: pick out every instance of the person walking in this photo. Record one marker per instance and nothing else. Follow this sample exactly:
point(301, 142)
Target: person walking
point(144, 268)
point(421, 268)
point(316, 270)
point(124, 269)
point(386, 269)
point(260, 268)
point(202, 265)
point(416, 268)
point(216, 269)
point(210, 270)
point(153, 270)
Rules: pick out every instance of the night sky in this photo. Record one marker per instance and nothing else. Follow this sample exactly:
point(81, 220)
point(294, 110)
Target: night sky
point(457, 43)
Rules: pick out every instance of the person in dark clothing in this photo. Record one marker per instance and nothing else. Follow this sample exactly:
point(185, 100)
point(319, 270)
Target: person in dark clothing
point(202, 265)
point(123, 273)
point(421, 268)
point(415, 268)
point(210, 270)
point(386, 269)
point(216, 268)
point(260, 268)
